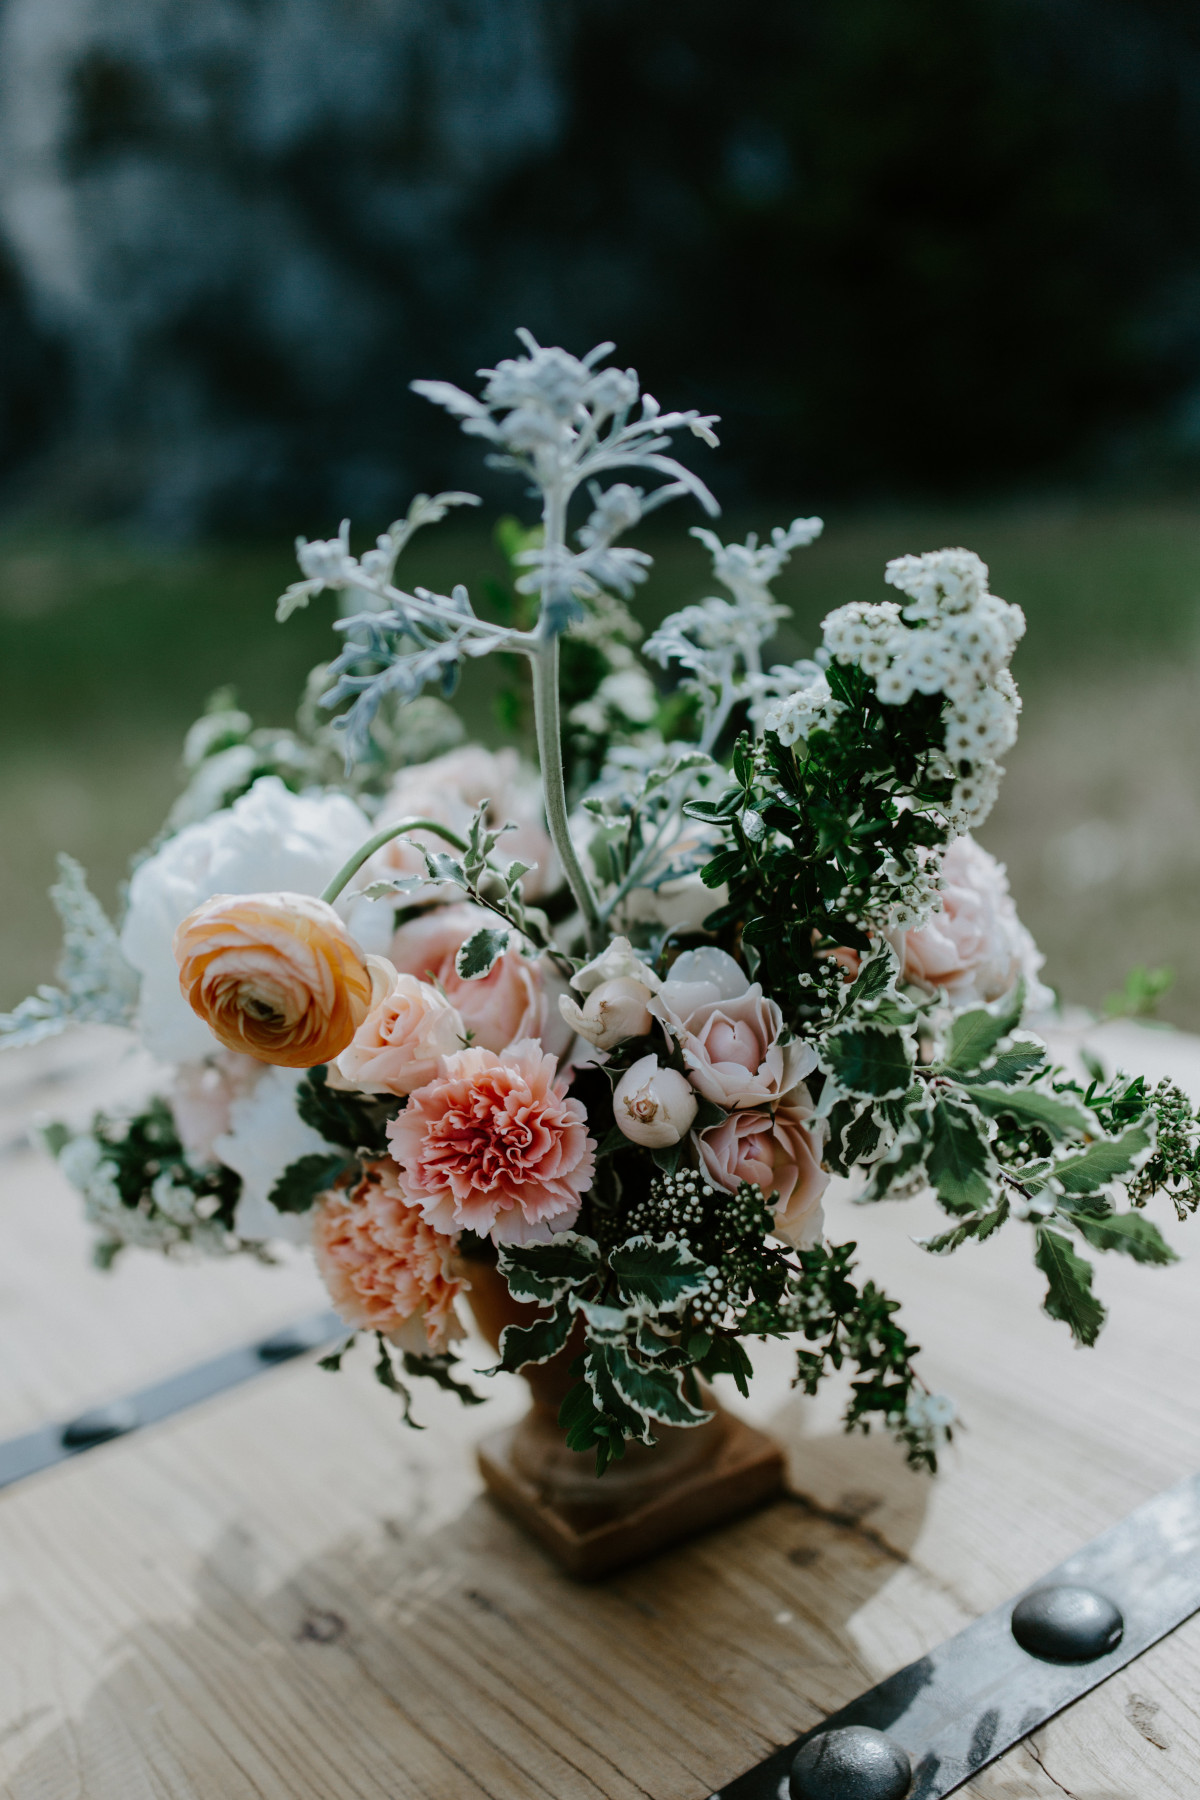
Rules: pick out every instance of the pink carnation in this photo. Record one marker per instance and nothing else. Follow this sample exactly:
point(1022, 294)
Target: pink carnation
point(386, 1268)
point(493, 1145)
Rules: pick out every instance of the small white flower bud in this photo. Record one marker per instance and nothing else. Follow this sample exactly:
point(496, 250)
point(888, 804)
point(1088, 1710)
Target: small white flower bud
point(612, 1012)
point(652, 1105)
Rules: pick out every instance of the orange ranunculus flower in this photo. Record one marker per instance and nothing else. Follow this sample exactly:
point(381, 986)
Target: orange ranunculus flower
point(276, 976)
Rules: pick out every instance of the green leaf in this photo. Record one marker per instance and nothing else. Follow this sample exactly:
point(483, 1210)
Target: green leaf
point(1069, 1295)
point(901, 1163)
point(441, 867)
point(874, 978)
point(342, 1118)
point(1103, 1161)
point(546, 1271)
point(440, 1370)
point(304, 1181)
point(1061, 1118)
point(1015, 1063)
point(536, 1343)
point(873, 1061)
point(958, 1156)
point(1132, 1232)
point(974, 1035)
point(481, 952)
point(655, 1393)
point(660, 1274)
point(727, 865)
point(980, 1227)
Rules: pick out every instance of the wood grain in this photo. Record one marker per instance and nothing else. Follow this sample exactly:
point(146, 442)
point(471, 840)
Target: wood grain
point(286, 1596)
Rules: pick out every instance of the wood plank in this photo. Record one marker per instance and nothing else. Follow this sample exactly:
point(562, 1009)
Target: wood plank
point(285, 1594)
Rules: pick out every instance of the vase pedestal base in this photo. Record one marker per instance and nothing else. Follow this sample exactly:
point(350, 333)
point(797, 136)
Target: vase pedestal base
point(652, 1498)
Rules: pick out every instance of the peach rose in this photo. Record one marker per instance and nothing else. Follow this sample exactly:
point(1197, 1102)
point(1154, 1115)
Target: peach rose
point(402, 1040)
point(386, 1269)
point(493, 1145)
point(779, 1153)
point(974, 948)
point(275, 976)
point(498, 1009)
point(449, 789)
point(733, 1051)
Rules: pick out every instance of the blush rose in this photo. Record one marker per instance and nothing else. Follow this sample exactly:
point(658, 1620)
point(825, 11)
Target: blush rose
point(401, 1042)
point(779, 1153)
point(498, 1009)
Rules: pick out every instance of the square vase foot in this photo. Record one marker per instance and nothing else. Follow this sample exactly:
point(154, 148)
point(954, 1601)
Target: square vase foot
point(658, 1498)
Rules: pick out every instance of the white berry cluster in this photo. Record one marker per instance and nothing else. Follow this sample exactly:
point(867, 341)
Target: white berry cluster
point(949, 636)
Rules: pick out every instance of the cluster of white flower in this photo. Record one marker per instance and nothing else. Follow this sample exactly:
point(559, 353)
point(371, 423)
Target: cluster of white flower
point(170, 1219)
point(950, 636)
point(794, 699)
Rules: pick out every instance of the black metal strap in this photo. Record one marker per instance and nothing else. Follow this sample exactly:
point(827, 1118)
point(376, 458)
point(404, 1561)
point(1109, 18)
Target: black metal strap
point(54, 1443)
point(932, 1726)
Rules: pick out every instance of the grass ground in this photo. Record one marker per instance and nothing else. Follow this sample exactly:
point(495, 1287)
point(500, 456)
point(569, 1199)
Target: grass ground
point(109, 649)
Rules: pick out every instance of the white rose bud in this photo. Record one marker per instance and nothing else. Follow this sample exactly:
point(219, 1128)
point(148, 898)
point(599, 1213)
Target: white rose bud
point(612, 1012)
point(652, 1105)
point(614, 963)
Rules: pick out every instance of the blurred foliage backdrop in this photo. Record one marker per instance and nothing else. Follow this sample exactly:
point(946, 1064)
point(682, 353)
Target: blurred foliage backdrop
point(937, 265)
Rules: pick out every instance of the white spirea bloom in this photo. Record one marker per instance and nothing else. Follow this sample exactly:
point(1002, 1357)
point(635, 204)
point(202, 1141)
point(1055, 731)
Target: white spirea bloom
point(809, 704)
point(270, 840)
point(265, 1134)
point(949, 636)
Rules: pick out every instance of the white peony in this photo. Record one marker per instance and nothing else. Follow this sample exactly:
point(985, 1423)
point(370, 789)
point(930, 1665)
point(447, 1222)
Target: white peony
point(265, 1134)
point(270, 840)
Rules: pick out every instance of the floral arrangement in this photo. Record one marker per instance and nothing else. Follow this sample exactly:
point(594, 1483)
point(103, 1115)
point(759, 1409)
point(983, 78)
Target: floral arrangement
point(610, 1023)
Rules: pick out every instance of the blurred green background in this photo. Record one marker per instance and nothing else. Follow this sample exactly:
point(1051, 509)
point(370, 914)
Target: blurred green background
point(936, 265)
point(109, 647)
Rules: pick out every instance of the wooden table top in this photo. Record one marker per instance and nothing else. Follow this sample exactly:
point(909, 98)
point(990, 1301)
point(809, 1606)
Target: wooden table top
point(285, 1595)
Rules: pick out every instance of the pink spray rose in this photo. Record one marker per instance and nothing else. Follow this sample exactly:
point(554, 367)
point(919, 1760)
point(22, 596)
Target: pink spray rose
point(493, 1145)
point(401, 1042)
point(518, 999)
point(733, 1051)
point(449, 789)
point(386, 1268)
point(778, 1153)
point(974, 948)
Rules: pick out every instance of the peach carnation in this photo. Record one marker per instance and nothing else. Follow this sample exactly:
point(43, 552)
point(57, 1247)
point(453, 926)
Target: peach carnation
point(493, 1145)
point(386, 1268)
point(275, 976)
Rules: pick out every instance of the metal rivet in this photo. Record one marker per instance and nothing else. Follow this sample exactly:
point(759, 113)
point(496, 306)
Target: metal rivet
point(854, 1763)
point(100, 1424)
point(295, 1340)
point(1067, 1624)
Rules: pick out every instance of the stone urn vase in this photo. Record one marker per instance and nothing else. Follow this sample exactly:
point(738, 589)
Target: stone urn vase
point(690, 1480)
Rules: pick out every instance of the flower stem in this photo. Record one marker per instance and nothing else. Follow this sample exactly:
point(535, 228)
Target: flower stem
point(554, 787)
point(350, 869)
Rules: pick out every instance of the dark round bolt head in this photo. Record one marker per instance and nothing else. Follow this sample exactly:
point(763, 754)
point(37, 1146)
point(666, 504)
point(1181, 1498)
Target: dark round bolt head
point(100, 1424)
point(853, 1763)
point(1067, 1624)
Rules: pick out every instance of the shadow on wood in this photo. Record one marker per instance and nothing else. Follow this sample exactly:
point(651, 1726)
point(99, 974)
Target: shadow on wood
point(458, 1665)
